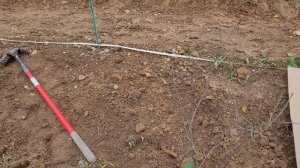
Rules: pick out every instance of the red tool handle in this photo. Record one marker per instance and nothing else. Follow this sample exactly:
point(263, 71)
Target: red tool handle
point(86, 151)
point(51, 104)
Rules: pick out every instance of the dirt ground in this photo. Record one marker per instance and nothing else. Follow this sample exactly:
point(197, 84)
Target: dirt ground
point(109, 95)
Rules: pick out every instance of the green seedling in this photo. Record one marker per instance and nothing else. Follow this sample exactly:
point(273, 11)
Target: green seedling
point(188, 50)
point(232, 75)
point(269, 61)
point(294, 62)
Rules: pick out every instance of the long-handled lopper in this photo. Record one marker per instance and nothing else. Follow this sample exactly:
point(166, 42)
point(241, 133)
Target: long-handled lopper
point(14, 54)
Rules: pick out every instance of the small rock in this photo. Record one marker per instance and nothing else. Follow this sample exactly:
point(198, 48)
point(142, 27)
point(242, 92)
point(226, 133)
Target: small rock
point(116, 77)
point(45, 125)
point(127, 11)
point(296, 33)
point(140, 127)
point(24, 117)
point(209, 97)
point(131, 155)
point(265, 52)
point(116, 87)
point(81, 77)
point(198, 156)
point(290, 54)
point(181, 52)
point(86, 114)
point(149, 20)
point(106, 50)
point(233, 132)
point(26, 87)
point(195, 54)
point(164, 81)
point(216, 130)
point(170, 153)
point(31, 94)
point(34, 52)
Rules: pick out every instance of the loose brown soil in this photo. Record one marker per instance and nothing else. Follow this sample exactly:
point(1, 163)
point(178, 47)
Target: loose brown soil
point(133, 108)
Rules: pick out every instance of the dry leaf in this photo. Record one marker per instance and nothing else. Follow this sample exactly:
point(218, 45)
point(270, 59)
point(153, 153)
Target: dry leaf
point(245, 109)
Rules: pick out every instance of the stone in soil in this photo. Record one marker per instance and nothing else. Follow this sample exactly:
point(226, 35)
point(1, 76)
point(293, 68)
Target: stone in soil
point(34, 52)
point(170, 153)
point(81, 77)
point(140, 127)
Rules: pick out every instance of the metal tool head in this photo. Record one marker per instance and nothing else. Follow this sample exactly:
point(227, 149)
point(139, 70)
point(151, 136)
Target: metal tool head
point(9, 56)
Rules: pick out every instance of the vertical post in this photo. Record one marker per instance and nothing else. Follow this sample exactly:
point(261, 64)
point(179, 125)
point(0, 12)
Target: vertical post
point(95, 23)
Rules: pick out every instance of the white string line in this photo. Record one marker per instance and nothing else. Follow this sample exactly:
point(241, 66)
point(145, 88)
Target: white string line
point(119, 46)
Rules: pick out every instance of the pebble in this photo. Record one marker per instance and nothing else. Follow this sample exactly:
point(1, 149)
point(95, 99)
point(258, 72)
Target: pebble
point(233, 132)
point(131, 155)
point(297, 32)
point(116, 77)
point(195, 54)
point(170, 153)
point(198, 157)
point(81, 77)
point(106, 50)
point(127, 11)
point(26, 87)
point(86, 114)
point(149, 20)
point(24, 117)
point(140, 127)
point(116, 87)
point(34, 52)
point(290, 54)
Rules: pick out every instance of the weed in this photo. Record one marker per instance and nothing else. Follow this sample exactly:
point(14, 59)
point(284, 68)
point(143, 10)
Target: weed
point(188, 50)
point(218, 59)
point(232, 75)
point(269, 61)
point(294, 62)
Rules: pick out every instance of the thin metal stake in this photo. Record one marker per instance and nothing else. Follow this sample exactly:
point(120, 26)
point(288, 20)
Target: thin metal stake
point(95, 23)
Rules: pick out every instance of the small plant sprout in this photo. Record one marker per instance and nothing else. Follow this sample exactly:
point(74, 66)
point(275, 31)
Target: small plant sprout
point(188, 50)
point(294, 62)
point(269, 61)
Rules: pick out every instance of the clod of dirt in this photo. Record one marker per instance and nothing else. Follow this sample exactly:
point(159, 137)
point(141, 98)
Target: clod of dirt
point(147, 72)
point(243, 72)
point(297, 32)
point(195, 54)
point(34, 52)
point(81, 77)
point(116, 77)
point(198, 156)
point(170, 152)
point(140, 127)
point(131, 155)
point(233, 132)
